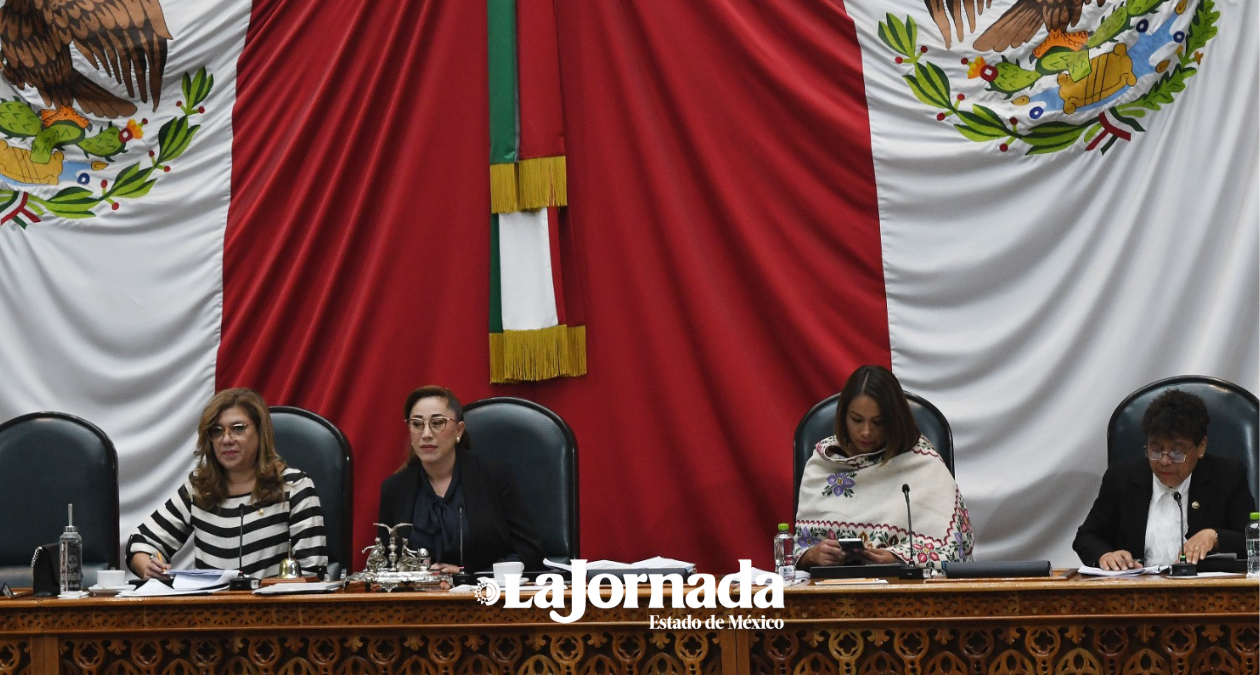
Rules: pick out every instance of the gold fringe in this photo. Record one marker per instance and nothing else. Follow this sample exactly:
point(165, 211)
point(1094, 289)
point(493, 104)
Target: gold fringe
point(503, 198)
point(543, 182)
point(534, 355)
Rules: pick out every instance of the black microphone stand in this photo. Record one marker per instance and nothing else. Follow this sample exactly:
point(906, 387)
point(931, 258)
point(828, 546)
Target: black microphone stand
point(1182, 568)
point(463, 577)
point(911, 570)
point(241, 582)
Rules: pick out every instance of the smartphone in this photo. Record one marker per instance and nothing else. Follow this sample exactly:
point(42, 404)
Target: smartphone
point(851, 545)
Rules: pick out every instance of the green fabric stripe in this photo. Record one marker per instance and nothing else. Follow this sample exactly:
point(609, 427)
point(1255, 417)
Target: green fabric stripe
point(496, 287)
point(501, 34)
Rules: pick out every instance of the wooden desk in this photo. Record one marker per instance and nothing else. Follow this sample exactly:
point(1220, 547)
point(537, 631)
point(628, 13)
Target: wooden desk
point(1076, 627)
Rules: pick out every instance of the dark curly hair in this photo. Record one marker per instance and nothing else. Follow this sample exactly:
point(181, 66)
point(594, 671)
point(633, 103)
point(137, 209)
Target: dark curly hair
point(1176, 414)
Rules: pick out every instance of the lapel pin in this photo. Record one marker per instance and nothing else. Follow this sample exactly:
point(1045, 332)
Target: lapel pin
point(1194, 505)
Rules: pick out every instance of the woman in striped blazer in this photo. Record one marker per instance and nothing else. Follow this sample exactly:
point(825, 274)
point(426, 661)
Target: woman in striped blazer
point(241, 505)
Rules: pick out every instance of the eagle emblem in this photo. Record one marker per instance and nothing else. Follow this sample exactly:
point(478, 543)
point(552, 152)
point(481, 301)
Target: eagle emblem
point(1050, 75)
point(68, 158)
point(125, 38)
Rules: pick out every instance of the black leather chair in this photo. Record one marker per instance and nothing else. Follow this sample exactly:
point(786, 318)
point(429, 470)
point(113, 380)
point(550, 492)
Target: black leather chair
point(820, 422)
point(1232, 432)
point(542, 451)
point(311, 443)
point(49, 460)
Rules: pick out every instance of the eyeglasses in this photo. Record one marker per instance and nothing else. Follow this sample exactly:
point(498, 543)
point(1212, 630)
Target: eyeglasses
point(437, 423)
point(1176, 455)
point(237, 431)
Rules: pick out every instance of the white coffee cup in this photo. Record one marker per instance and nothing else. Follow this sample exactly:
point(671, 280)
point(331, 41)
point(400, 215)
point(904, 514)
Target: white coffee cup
point(111, 578)
point(503, 569)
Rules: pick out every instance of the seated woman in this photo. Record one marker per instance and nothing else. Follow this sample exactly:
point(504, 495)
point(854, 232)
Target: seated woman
point(442, 488)
point(852, 485)
point(1135, 519)
point(241, 505)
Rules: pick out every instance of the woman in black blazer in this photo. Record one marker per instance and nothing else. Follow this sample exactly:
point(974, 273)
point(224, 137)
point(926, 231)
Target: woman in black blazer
point(1217, 504)
point(442, 488)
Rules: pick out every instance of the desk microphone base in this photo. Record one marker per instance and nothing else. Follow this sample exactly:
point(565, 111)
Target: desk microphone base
point(1183, 570)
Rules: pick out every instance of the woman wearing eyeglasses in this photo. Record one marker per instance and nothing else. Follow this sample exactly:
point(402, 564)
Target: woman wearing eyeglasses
point(1136, 520)
point(241, 505)
point(442, 489)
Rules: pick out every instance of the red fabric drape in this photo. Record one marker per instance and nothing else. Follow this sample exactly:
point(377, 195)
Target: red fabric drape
point(722, 209)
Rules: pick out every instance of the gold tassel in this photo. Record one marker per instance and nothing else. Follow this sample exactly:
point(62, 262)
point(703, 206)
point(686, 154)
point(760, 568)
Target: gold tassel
point(496, 359)
point(543, 183)
point(503, 198)
point(534, 355)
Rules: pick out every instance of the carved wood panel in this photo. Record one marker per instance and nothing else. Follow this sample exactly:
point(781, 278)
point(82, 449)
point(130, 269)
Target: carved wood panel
point(559, 652)
point(1079, 649)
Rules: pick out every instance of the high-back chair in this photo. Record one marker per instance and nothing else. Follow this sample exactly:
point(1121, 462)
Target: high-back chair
point(541, 449)
point(820, 422)
point(1232, 431)
point(49, 460)
point(311, 443)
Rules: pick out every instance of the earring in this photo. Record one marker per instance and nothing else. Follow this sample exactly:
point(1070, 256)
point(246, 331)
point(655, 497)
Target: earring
point(457, 438)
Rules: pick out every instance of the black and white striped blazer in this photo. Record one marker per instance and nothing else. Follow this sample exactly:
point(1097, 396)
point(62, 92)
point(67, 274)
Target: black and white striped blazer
point(240, 534)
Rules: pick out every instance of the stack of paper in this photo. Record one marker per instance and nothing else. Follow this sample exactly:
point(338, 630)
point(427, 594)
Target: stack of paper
point(1100, 572)
point(185, 582)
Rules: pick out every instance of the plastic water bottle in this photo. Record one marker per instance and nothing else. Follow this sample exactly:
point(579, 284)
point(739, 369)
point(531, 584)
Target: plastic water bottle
point(784, 553)
point(71, 558)
point(1253, 546)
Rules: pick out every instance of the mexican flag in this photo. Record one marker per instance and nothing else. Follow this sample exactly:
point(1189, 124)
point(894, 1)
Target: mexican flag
point(1025, 221)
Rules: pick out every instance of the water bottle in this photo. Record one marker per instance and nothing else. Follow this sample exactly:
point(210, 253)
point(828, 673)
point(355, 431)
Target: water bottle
point(784, 553)
point(1253, 546)
point(71, 558)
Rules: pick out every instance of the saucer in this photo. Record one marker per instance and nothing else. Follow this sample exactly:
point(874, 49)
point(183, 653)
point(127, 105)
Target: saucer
point(73, 595)
point(108, 590)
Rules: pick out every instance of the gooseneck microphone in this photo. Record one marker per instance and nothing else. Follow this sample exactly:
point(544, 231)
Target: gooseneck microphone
point(241, 582)
point(462, 577)
point(1181, 568)
point(911, 570)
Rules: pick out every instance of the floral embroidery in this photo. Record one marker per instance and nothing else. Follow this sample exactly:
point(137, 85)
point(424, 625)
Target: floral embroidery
point(927, 551)
point(839, 484)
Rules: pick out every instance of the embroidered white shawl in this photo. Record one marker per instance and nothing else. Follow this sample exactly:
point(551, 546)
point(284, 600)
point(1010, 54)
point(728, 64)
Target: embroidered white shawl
point(846, 497)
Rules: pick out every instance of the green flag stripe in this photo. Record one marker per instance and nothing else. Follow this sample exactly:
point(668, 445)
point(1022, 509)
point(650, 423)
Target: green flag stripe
point(496, 288)
point(504, 132)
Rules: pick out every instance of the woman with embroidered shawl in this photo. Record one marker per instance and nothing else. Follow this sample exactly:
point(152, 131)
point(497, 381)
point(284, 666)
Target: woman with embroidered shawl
point(852, 485)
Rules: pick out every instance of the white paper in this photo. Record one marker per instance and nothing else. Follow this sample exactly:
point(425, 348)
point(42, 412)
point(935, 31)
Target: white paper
point(154, 588)
point(186, 580)
point(1100, 572)
point(300, 587)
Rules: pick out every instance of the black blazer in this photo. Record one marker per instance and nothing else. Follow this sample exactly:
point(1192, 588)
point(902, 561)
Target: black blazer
point(1117, 520)
point(498, 520)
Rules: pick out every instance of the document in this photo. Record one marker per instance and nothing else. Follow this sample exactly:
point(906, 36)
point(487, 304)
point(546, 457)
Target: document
point(295, 588)
point(186, 580)
point(156, 589)
point(1100, 572)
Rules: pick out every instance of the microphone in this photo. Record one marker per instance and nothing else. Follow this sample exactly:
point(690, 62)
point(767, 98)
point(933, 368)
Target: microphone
point(911, 570)
point(1182, 568)
point(463, 577)
point(241, 582)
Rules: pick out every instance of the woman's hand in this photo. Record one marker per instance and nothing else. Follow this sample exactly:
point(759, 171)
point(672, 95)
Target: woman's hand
point(1117, 561)
point(825, 552)
point(1200, 545)
point(146, 566)
point(878, 555)
point(444, 568)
